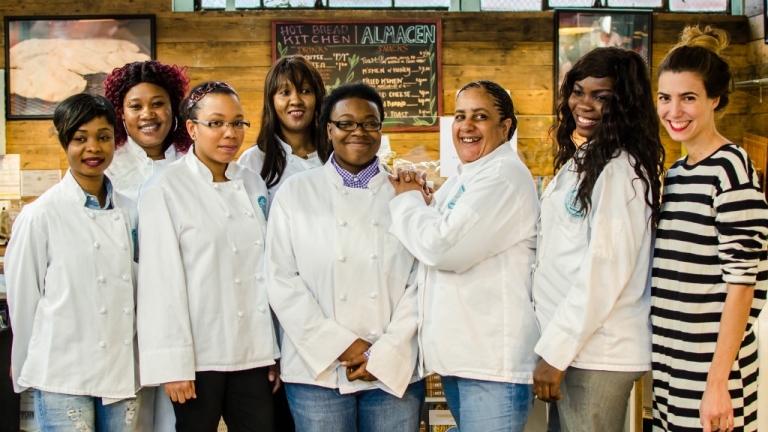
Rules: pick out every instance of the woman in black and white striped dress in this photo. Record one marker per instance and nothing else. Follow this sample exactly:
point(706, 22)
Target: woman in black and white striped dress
point(709, 267)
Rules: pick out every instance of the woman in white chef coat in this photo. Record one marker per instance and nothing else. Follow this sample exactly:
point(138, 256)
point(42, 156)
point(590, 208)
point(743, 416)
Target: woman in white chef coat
point(71, 286)
point(205, 329)
point(594, 245)
point(147, 97)
point(342, 286)
point(289, 141)
point(150, 133)
point(476, 246)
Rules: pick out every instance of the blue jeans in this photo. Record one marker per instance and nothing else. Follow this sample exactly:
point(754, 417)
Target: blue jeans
point(320, 409)
point(57, 412)
point(487, 406)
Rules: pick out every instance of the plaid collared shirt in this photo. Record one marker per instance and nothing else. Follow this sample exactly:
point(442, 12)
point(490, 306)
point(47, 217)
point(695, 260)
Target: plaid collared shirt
point(361, 179)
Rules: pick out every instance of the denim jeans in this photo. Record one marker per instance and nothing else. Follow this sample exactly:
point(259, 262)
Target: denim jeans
point(320, 409)
point(57, 412)
point(156, 411)
point(487, 406)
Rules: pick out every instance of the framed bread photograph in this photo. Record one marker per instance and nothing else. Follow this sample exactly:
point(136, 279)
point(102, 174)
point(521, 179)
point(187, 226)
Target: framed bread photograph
point(48, 59)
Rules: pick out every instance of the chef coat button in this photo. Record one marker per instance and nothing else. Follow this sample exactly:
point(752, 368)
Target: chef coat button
point(373, 295)
point(342, 223)
point(374, 222)
point(259, 276)
point(228, 215)
point(115, 216)
point(249, 214)
point(262, 309)
point(215, 186)
point(343, 192)
point(126, 311)
point(372, 333)
point(342, 258)
point(234, 250)
point(123, 246)
point(126, 342)
point(373, 193)
point(235, 186)
point(237, 281)
point(533, 266)
point(103, 310)
point(373, 256)
point(96, 245)
point(418, 321)
point(101, 279)
point(342, 297)
point(91, 215)
point(103, 344)
point(126, 278)
point(257, 242)
point(239, 314)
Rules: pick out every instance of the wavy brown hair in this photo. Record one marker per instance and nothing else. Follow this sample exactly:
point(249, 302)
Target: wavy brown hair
point(628, 122)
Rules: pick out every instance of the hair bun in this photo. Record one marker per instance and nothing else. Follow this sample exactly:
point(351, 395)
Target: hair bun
point(710, 38)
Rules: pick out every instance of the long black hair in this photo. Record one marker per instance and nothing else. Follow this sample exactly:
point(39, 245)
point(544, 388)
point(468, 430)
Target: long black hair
point(628, 122)
point(297, 70)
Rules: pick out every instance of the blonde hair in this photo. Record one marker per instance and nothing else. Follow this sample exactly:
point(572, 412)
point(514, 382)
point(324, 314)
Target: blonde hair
point(700, 51)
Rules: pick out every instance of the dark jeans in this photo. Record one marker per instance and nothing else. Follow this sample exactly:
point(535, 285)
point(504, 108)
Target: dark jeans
point(9, 401)
point(243, 398)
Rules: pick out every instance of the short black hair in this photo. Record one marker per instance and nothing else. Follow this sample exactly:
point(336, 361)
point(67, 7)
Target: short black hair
point(358, 90)
point(77, 110)
point(502, 101)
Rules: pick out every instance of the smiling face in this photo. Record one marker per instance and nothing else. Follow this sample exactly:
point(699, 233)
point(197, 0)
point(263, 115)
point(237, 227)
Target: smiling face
point(354, 150)
point(217, 147)
point(477, 126)
point(295, 108)
point(586, 103)
point(684, 108)
point(91, 149)
point(148, 116)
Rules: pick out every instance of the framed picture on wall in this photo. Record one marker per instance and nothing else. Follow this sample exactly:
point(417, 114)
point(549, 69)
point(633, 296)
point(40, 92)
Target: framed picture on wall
point(48, 59)
point(579, 31)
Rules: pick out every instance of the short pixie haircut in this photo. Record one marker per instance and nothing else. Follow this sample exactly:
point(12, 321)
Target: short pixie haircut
point(359, 90)
point(77, 110)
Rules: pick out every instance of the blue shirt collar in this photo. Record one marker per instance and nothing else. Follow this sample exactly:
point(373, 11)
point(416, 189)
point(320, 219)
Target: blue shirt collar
point(361, 179)
point(92, 202)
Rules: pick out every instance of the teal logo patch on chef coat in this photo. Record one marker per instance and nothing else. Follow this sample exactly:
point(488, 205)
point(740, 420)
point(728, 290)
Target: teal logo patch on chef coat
point(263, 204)
point(456, 197)
point(572, 205)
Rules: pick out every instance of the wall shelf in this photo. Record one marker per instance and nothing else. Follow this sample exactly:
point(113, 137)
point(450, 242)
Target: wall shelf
point(750, 84)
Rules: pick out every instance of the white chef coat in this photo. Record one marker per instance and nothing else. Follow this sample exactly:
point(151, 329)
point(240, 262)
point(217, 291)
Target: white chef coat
point(590, 285)
point(253, 158)
point(335, 275)
point(202, 299)
point(475, 248)
point(131, 167)
point(71, 288)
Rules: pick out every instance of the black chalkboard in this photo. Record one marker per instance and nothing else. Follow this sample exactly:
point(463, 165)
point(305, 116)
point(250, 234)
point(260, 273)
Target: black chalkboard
point(400, 58)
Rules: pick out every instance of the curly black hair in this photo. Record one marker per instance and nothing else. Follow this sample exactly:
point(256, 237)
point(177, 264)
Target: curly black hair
point(628, 122)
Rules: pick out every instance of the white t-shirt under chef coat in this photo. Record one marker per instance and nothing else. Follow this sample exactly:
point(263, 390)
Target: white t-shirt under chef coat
point(202, 299)
point(475, 248)
point(131, 167)
point(71, 288)
point(335, 275)
point(590, 285)
point(253, 158)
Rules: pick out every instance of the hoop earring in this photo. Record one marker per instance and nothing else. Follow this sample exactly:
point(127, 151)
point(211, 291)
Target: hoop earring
point(125, 127)
point(175, 123)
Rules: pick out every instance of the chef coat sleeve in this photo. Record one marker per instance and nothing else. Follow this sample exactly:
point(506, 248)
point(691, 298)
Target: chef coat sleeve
point(393, 356)
point(496, 211)
point(26, 263)
point(319, 340)
point(619, 221)
point(166, 348)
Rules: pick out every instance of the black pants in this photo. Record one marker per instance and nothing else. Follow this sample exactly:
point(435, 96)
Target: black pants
point(243, 398)
point(9, 401)
point(283, 418)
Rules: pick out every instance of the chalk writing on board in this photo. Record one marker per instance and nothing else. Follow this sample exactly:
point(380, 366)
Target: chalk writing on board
point(400, 59)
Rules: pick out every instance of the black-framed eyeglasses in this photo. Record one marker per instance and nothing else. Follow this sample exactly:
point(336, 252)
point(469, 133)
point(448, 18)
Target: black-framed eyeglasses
point(349, 126)
point(238, 125)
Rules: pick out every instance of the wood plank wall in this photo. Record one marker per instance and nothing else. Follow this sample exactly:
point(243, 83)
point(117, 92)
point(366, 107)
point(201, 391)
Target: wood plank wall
point(513, 49)
point(757, 60)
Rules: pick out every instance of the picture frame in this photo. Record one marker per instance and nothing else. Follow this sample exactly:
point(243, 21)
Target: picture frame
point(49, 58)
point(579, 31)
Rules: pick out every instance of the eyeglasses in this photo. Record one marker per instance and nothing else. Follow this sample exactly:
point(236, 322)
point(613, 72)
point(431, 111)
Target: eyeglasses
point(349, 126)
point(238, 125)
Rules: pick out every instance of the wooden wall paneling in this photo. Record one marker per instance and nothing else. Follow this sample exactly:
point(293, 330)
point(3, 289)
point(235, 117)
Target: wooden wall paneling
point(668, 26)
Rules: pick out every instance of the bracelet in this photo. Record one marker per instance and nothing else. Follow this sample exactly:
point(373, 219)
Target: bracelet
point(367, 354)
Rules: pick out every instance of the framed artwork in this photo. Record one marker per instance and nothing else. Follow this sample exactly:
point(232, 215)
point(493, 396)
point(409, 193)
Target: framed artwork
point(48, 59)
point(579, 31)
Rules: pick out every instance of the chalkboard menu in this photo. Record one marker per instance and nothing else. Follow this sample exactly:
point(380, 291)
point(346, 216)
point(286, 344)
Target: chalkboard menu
point(399, 58)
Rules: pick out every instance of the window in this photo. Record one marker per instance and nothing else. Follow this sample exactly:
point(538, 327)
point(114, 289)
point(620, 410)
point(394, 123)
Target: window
point(510, 5)
point(698, 5)
point(257, 4)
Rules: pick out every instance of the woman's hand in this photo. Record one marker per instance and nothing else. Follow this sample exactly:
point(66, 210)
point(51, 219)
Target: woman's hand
point(716, 410)
point(180, 391)
point(357, 348)
point(546, 382)
point(274, 376)
point(410, 180)
point(356, 369)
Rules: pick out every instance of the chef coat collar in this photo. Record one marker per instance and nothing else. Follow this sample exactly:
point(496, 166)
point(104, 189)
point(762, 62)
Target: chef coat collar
point(289, 150)
point(475, 166)
point(199, 168)
point(135, 149)
point(338, 181)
